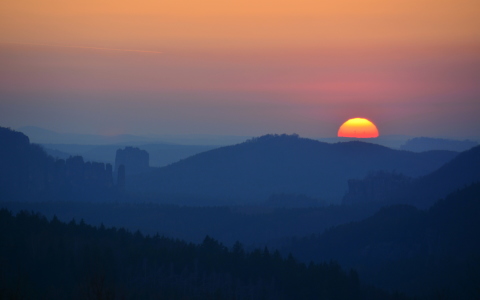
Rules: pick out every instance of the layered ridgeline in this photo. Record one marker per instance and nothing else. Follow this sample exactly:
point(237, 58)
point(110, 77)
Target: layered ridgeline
point(282, 169)
point(274, 164)
point(390, 188)
point(44, 259)
point(402, 248)
point(27, 173)
point(421, 144)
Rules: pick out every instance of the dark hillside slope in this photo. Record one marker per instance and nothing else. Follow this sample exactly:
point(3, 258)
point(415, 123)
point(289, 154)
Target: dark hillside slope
point(421, 192)
point(459, 172)
point(253, 170)
point(251, 225)
point(411, 250)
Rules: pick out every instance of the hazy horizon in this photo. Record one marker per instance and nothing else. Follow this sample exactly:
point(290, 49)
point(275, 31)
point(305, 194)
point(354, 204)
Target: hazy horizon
point(332, 135)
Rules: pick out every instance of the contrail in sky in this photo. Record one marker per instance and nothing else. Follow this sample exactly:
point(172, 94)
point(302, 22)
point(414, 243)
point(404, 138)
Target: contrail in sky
point(84, 47)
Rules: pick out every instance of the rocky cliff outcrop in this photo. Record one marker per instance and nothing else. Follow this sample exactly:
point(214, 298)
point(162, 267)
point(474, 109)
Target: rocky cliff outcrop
point(28, 173)
point(133, 159)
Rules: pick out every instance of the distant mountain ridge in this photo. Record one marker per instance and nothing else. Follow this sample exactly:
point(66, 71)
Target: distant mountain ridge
point(160, 154)
point(421, 192)
point(253, 170)
point(393, 141)
point(44, 136)
point(41, 136)
point(421, 144)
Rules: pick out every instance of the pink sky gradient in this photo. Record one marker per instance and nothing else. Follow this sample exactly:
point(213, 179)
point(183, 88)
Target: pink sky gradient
point(412, 67)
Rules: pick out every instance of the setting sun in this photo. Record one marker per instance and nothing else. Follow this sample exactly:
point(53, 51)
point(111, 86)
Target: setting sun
point(358, 128)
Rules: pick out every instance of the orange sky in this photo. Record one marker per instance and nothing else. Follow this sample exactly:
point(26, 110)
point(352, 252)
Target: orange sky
point(246, 67)
point(245, 24)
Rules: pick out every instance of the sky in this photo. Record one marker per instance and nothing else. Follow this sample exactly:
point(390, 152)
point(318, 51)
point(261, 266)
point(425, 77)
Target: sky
point(241, 67)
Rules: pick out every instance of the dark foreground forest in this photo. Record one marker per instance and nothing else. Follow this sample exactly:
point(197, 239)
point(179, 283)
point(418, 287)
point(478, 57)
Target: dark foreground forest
point(44, 259)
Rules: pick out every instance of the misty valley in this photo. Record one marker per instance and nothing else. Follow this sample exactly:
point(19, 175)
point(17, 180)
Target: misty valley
point(272, 217)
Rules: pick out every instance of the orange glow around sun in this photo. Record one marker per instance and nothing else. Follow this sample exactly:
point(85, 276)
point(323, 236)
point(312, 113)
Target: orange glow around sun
point(358, 128)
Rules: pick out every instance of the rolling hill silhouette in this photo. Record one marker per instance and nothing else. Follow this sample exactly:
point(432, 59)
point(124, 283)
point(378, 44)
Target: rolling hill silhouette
point(421, 144)
point(253, 170)
point(421, 192)
point(459, 172)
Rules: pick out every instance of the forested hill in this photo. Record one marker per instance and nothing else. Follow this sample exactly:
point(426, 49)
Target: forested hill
point(253, 170)
point(43, 259)
point(415, 251)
